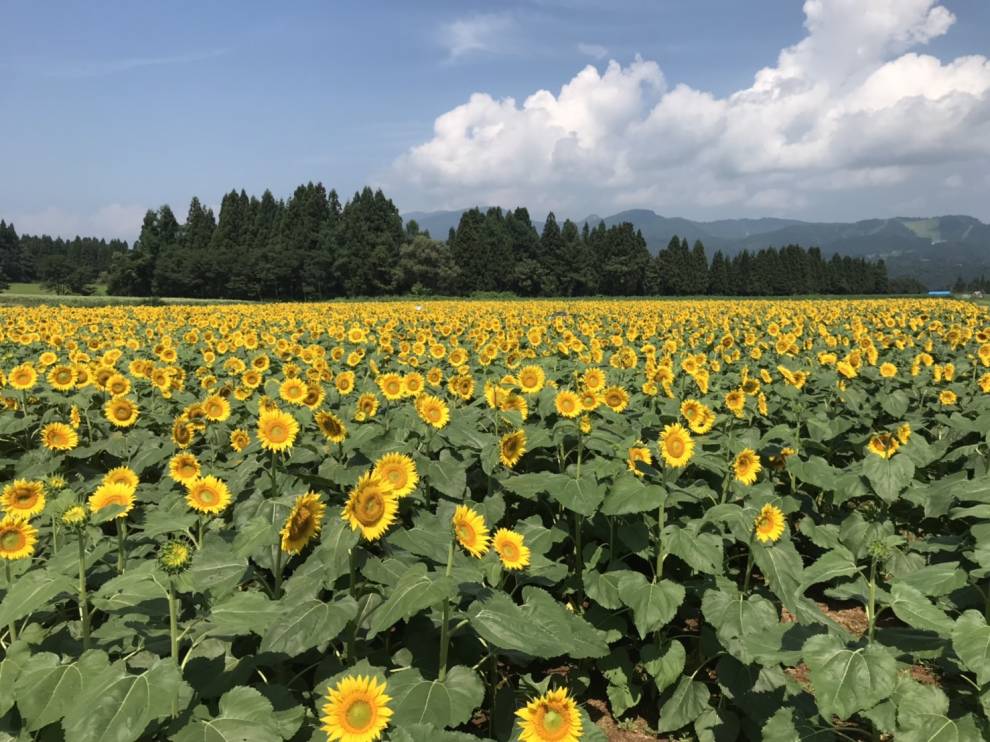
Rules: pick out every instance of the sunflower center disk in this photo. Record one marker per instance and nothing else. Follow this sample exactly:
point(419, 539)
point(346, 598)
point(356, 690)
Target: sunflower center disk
point(370, 508)
point(553, 721)
point(359, 715)
point(11, 541)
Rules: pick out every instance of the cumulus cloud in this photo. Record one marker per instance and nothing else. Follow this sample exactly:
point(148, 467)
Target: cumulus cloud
point(856, 104)
point(114, 220)
point(480, 33)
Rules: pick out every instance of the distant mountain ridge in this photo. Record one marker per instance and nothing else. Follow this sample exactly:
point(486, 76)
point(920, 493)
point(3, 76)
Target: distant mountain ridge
point(936, 250)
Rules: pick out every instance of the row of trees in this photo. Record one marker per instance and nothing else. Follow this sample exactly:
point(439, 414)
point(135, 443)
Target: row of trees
point(64, 266)
point(312, 246)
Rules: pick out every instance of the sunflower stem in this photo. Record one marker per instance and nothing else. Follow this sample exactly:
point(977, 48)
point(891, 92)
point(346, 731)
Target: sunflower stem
point(83, 598)
point(199, 532)
point(871, 607)
point(173, 633)
point(578, 561)
point(10, 584)
point(278, 571)
point(749, 569)
point(661, 522)
point(445, 620)
point(121, 546)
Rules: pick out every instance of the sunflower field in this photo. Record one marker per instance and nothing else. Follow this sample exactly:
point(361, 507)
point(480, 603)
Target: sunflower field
point(545, 521)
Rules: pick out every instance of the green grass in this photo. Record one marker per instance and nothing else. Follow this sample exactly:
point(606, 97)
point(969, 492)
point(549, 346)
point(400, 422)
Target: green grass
point(32, 294)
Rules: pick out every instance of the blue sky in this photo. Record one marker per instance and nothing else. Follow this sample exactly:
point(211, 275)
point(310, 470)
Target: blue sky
point(111, 108)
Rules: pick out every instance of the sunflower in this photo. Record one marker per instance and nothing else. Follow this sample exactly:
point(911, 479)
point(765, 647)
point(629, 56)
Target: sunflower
point(412, 384)
point(74, 517)
point(676, 445)
point(888, 370)
point(638, 453)
point(769, 524)
point(553, 717)
point(703, 422)
point(589, 400)
point(315, 394)
point(174, 557)
point(216, 408)
point(122, 475)
point(17, 538)
point(398, 471)
point(903, 433)
point(121, 412)
point(277, 430)
point(593, 380)
point(303, 523)
point(112, 494)
point(207, 495)
point(118, 385)
point(510, 548)
point(691, 409)
point(59, 437)
point(511, 448)
point(531, 379)
point(470, 530)
point(182, 433)
point(433, 410)
point(736, 402)
point(23, 499)
point(184, 468)
point(616, 398)
point(366, 408)
point(356, 710)
point(75, 420)
point(568, 404)
point(391, 386)
point(239, 439)
point(293, 391)
point(344, 382)
point(947, 397)
point(747, 466)
point(883, 445)
point(23, 377)
point(62, 378)
point(331, 426)
point(371, 506)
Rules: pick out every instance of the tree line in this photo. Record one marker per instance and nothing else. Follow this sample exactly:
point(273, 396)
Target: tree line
point(312, 246)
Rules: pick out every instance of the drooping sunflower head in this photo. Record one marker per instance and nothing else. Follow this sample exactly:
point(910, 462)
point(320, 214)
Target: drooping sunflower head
point(398, 471)
point(553, 717)
point(59, 437)
point(304, 522)
point(277, 430)
point(883, 445)
point(511, 550)
point(676, 446)
point(175, 556)
point(470, 530)
point(512, 446)
point(183, 468)
point(122, 475)
point(356, 710)
point(769, 524)
point(331, 426)
point(638, 453)
point(23, 499)
point(121, 412)
point(239, 439)
point(17, 538)
point(112, 494)
point(208, 495)
point(371, 506)
point(567, 404)
point(433, 410)
point(747, 466)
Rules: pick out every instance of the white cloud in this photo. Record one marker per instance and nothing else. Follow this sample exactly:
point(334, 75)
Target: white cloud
point(852, 107)
point(595, 51)
point(113, 220)
point(480, 33)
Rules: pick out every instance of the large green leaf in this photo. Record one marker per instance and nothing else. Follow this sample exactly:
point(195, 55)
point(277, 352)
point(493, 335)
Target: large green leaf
point(244, 715)
point(848, 680)
point(47, 688)
point(583, 496)
point(447, 475)
point(736, 617)
point(688, 701)
point(143, 588)
point(216, 569)
point(31, 591)
point(664, 664)
point(629, 494)
point(653, 603)
point(243, 613)
point(700, 551)
point(442, 704)
point(838, 562)
point(916, 610)
point(415, 590)
point(308, 624)
point(971, 641)
point(890, 476)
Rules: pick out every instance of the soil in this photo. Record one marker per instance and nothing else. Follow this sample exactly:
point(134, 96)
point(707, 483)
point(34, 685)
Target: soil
point(599, 712)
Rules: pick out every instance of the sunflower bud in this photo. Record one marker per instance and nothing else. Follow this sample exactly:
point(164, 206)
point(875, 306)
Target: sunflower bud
point(75, 518)
point(174, 557)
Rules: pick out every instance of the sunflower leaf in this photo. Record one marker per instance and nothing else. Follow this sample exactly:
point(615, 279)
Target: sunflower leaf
point(245, 714)
point(32, 591)
point(446, 703)
point(415, 590)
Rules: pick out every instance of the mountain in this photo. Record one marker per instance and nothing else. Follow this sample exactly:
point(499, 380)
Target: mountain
point(936, 250)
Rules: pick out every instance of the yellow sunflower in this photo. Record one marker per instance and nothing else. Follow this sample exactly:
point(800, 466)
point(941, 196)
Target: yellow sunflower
point(593, 380)
point(568, 404)
point(117, 385)
point(398, 471)
point(184, 468)
point(59, 437)
point(903, 433)
point(371, 506)
point(277, 430)
point(747, 466)
point(207, 495)
point(676, 445)
point(23, 498)
point(356, 710)
point(553, 717)
point(366, 408)
point(470, 530)
point(304, 522)
point(736, 402)
point(17, 538)
point(512, 446)
point(216, 408)
point(531, 379)
point(62, 378)
point(883, 445)
point(23, 377)
point(616, 398)
point(391, 386)
point(121, 412)
point(433, 410)
point(769, 524)
point(511, 549)
point(331, 426)
point(112, 494)
point(888, 370)
point(638, 453)
point(182, 433)
point(239, 439)
point(293, 391)
point(947, 397)
point(122, 475)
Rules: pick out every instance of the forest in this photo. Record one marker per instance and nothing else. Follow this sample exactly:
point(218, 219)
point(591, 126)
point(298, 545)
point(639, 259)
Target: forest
point(312, 246)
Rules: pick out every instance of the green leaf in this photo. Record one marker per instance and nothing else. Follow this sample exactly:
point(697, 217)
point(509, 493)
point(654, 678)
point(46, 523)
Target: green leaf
point(838, 562)
point(582, 496)
point(939, 728)
point(46, 688)
point(10, 669)
point(736, 617)
point(428, 733)
point(442, 704)
point(971, 641)
point(138, 587)
point(700, 551)
point(629, 494)
point(665, 664)
point(654, 604)
point(936, 580)
point(890, 476)
point(915, 610)
point(244, 715)
point(31, 591)
point(216, 569)
point(848, 680)
point(787, 725)
point(243, 613)
point(895, 403)
point(308, 624)
point(117, 706)
point(447, 475)
point(603, 588)
point(688, 701)
point(414, 591)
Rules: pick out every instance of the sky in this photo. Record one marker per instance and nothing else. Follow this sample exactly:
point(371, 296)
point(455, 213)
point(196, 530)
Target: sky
point(827, 110)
